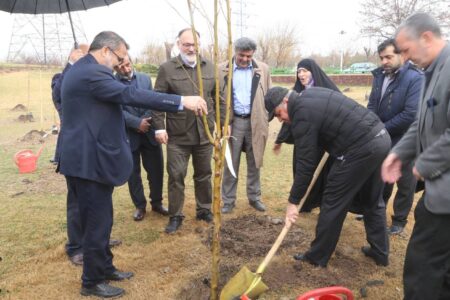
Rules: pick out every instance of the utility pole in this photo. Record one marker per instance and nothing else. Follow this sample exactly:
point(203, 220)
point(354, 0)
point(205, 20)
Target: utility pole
point(242, 13)
point(342, 32)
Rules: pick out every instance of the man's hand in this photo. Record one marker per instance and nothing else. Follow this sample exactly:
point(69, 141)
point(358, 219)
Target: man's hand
point(276, 149)
point(417, 174)
point(195, 103)
point(145, 125)
point(291, 214)
point(391, 169)
point(162, 137)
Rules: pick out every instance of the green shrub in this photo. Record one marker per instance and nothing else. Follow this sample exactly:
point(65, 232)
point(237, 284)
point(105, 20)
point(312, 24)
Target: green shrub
point(146, 68)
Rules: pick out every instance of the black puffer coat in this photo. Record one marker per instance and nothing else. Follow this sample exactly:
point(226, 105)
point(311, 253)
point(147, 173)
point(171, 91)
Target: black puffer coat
point(325, 119)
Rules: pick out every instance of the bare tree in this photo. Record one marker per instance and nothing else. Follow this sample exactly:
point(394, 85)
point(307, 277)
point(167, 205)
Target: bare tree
point(279, 46)
point(382, 17)
point(154, 53)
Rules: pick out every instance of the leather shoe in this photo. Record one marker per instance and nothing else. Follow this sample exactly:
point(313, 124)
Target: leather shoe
point(174, 224)
point(379, 260)
point(118, 275)
point(206, 216)
point(160, 209)
point(103, 290)
point(395, 229)
point(77, 259)
point(227, 208)
point(258, 205)
point(139, 214)
point(114, 243)
point(303, 257)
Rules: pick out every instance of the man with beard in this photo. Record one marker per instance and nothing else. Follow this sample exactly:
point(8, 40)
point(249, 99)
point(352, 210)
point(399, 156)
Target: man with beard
point(394, 97)
point(184, 133)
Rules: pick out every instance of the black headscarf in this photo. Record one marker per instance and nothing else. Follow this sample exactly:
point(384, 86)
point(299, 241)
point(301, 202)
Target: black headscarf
point(320, 78)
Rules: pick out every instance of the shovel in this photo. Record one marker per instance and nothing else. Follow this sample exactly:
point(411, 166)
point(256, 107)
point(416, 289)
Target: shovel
point(248, 285)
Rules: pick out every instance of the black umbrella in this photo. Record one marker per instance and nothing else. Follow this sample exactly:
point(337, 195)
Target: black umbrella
point(52, 7)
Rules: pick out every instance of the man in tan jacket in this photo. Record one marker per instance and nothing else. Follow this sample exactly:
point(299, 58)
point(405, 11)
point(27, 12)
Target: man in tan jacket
point(184, 133)
point(248, 121)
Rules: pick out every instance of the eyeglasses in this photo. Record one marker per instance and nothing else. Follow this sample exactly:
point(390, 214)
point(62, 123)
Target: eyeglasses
point(188, 45)
point(120, 59)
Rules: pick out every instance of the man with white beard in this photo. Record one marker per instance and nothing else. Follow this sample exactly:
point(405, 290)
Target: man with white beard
point(184, 134)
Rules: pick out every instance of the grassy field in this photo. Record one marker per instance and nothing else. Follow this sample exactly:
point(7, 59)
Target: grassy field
point(33, 264)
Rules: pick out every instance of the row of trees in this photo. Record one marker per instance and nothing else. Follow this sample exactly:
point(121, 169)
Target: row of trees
point(280, 46)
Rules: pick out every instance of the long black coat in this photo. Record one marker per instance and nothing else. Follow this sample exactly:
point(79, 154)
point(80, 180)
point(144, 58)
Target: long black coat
point(325, 119)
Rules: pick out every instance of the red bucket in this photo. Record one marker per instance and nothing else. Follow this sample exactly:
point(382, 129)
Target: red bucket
point(26, 160)
point(328, 293)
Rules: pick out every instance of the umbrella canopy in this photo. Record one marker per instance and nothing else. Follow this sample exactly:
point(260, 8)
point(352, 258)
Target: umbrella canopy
point(52, 7)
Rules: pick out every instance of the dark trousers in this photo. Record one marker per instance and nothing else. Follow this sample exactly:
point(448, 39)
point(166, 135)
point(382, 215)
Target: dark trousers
point(404, 197)
point(426, 273)
point(177, 163)
point(358, 172)
point(96, 214)
point(74, 234)
point(153, 162)
point(241, 142)
point(58, 140)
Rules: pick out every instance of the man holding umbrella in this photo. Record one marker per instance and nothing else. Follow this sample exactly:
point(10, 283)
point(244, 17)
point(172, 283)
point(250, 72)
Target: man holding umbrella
point(96, 156)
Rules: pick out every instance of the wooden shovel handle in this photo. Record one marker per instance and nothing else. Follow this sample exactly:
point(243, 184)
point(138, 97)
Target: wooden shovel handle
point(286, 227)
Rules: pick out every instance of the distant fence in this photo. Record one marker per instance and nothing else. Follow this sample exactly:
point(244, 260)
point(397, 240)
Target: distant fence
point(338, 79)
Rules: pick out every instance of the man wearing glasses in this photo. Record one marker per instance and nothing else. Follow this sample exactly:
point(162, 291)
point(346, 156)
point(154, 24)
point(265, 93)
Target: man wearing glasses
point(143, 145)
point(184, 133)
point(96, 155)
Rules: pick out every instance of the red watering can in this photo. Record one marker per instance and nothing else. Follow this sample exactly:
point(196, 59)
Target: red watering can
point(26, 160)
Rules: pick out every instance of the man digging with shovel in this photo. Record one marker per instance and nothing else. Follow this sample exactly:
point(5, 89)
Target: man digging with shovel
point(323, 119)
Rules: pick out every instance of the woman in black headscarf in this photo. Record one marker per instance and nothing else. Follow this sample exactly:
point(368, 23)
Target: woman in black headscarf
point(308, 74)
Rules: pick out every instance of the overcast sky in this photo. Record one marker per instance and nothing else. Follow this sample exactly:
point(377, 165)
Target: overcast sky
point(318, 22)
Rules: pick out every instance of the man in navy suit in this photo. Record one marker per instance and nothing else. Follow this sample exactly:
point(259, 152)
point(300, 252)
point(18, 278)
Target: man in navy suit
point(96, 155)
point(143, 144)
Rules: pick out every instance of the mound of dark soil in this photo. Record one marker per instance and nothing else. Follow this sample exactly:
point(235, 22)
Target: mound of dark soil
point(248, 239)
point(26, 118)
point(19, 107)
point(34, 136)
point(252, 236)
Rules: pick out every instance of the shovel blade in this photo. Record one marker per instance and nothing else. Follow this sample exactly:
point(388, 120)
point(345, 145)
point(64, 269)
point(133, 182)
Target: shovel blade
point(239, 284)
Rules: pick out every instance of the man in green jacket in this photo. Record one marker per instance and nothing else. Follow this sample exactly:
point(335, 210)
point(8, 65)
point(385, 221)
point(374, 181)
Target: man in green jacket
point(184, 133)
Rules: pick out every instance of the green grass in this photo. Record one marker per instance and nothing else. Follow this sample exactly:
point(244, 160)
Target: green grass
point(33, 212)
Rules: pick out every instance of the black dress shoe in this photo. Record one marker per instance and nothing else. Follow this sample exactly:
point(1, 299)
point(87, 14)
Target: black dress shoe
point(114, 243)
point(77, 259)
point(160, 209)
point(303, 257)
point(139, 214)
point(395, 229)
point(103, 290)
point(118, 275)
point(206, 216)
point(379, 260)
point(227, 208)
point(174, 224)
point(258, 205)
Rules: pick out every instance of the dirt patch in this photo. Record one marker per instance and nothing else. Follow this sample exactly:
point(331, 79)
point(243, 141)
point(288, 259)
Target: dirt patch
point(34, 136)
point(252, 236)
point(26, 118)
point(19, 107)
point(247, 239)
